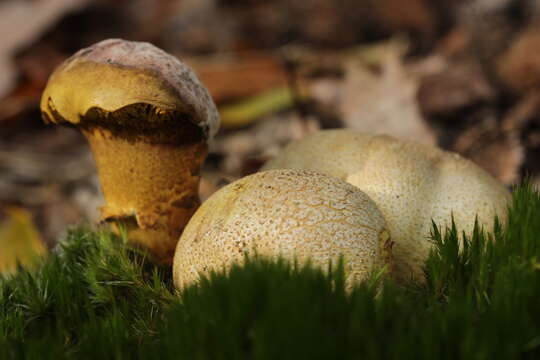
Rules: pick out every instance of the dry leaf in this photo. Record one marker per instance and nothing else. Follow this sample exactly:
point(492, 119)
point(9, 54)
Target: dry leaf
point(24, 21)
point(460, 84)
point(417, 15)
point(384, 103)
point(497, 151)
point(239, 76)
point(519, 66)
point(20, 243)
point(522, 113)
point(491, 26)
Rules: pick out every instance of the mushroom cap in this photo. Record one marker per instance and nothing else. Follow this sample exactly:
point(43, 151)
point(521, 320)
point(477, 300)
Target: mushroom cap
point(294, 214)
point(115, 82)
point(411, 184)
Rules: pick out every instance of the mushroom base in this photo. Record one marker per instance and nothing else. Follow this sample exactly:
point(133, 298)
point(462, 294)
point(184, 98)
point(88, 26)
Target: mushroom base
point(151, 189)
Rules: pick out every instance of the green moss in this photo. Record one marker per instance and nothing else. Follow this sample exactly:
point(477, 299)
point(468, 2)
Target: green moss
point(97, 299)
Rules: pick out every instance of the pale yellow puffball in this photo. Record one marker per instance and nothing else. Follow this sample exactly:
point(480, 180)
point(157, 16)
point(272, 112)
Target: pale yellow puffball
point(295, 214)
point(412, 184)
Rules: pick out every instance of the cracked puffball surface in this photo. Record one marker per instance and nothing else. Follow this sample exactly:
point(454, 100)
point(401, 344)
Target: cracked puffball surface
point(412, 184)
point(147, 119)
point(294, 214)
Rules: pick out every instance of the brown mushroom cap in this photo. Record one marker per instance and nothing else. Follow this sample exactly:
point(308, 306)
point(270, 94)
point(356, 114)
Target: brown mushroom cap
point(116, 74)
point(411, 184)
point(148, 120)
point(295, 214)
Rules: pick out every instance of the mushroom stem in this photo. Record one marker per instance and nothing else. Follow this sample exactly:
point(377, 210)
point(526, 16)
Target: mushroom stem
point(151, 189)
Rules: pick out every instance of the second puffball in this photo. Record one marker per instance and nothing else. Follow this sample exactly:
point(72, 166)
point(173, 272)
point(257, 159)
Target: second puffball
point(294, 214)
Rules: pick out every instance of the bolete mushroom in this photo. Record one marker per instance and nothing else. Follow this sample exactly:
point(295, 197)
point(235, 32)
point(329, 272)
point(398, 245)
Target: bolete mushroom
point(294, 214)
point(147, 119)
point(411, 184)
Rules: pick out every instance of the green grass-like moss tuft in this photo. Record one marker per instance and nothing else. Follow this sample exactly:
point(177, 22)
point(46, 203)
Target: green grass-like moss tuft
point(98, 299)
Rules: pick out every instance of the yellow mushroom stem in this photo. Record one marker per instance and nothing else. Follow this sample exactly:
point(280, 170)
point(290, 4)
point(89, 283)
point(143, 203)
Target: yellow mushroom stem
point(149, 188)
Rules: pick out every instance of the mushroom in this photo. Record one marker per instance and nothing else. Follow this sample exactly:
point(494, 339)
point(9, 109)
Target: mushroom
point(294, 214)
point(147, 119)
point(412, 184)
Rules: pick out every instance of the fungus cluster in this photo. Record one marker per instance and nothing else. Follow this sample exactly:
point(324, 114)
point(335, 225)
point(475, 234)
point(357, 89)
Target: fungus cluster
point(412, 184)
point(345, 194)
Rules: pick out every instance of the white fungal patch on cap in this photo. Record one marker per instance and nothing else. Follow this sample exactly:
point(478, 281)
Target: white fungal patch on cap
point(412, 184)
point(291, 213)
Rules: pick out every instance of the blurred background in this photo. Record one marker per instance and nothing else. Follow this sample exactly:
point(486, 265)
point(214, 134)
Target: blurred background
point(464, 75)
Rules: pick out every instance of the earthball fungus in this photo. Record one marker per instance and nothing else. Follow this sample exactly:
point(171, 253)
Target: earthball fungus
point(147, 119)
point(294, 214)
point(412, 184)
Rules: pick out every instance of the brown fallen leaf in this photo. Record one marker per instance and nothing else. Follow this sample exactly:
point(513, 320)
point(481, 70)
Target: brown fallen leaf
point(22, 31)
point(417, 16)
point(491, 26)
point(519, 66)
point(525, 110)
point(461, 83)
point(239, 75)
point(385, 102)
point(498, 151)
point(455, 42)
